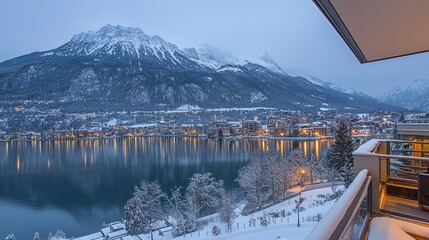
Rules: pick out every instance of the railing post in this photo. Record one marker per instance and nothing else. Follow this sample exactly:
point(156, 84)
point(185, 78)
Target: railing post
point(372, 163)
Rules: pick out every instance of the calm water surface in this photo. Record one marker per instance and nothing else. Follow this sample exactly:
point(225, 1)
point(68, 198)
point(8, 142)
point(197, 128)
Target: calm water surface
point(76, 185)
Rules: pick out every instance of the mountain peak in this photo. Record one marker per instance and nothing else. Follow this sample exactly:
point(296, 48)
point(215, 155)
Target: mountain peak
point(267, 58)
point(120, 41)
point(210, 56)
point(109, 32)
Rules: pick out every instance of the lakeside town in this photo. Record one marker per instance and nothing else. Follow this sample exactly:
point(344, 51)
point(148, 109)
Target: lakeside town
point(203, 123)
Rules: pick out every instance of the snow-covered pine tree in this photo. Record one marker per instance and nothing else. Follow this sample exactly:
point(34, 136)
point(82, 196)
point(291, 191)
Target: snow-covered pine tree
point(134, 219)
point(340, 155)
point(59, 234)
point(227, 209)
point(36, 236)
point(203, 191)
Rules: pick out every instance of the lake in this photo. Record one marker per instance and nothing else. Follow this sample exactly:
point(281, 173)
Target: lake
point(76, 185)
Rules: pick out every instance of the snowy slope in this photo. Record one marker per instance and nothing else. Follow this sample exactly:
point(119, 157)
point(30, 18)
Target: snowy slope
point(334, 86)
point(278, 228)
point(210, 56)
point(412, 95)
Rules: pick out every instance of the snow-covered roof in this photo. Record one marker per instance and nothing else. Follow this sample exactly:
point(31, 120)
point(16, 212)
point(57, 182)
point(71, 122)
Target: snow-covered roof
point(143, 125)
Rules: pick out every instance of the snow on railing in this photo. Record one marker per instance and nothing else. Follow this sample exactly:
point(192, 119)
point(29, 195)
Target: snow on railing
point(338, 220)
point(368, 148)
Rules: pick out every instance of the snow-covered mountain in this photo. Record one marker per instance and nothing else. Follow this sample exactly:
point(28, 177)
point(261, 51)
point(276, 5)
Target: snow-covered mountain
point(209, 56)
point(334, 86)
point(124, 68)
point(411, 95)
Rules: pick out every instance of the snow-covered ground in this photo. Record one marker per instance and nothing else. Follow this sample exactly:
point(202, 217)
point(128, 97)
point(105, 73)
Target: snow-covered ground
point(278, 228)
point(389, 228)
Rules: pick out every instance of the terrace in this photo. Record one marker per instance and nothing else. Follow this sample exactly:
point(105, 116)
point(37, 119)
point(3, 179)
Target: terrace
point(383, 198)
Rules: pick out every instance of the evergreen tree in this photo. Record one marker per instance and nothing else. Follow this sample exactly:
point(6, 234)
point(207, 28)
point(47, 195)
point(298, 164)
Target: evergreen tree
point(401, 118)
point(133, 216)
point(36, 236)
point(340, 156)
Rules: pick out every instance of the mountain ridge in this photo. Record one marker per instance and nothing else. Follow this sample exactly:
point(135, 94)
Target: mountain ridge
point(123, 68)
point(410, 95)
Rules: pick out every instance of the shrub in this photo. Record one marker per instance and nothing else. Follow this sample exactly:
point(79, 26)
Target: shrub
point(215, 230)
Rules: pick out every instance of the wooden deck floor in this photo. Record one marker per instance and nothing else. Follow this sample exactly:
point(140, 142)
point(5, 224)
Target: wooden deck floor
point(405, 208)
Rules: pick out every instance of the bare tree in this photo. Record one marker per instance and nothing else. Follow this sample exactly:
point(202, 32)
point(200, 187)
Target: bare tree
point(202, 191)
point(146, 204)
point(300, 171)
point(227, 209)
point(313, 166)
point(271, 165)
point(176, 209)
point(285, 176)
point(252, 181)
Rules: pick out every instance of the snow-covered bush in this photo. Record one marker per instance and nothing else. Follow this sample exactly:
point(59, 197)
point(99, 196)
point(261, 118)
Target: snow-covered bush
point(323, 198)
point(318, 217)
point(301, 208)
point(59, 235)
point(264, 220)
point(215, 230)
point(252, 222)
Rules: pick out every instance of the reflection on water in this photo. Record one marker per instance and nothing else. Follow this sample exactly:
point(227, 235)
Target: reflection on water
point(76, 185)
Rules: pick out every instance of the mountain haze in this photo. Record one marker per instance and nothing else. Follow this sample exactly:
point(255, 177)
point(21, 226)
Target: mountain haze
point(121, 68)
point(412, 95)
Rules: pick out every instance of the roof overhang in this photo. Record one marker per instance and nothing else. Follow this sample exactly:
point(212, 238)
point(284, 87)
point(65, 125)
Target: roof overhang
point(380, 29)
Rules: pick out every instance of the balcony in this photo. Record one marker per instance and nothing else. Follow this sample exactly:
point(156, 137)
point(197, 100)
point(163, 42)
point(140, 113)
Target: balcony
point(381, 202)
point(394, 166)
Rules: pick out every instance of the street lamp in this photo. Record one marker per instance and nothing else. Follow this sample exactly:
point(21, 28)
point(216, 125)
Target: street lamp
point(302, 172)
point(298, 205)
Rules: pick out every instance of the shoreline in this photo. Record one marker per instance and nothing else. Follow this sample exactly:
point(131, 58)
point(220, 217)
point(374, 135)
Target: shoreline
point(177, 136)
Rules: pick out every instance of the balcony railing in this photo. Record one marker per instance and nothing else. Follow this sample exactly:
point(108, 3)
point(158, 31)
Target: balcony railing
point(394, 166)
point(349, 217)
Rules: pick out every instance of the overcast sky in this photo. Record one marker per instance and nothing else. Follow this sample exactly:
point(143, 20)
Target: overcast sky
point(293, 32)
